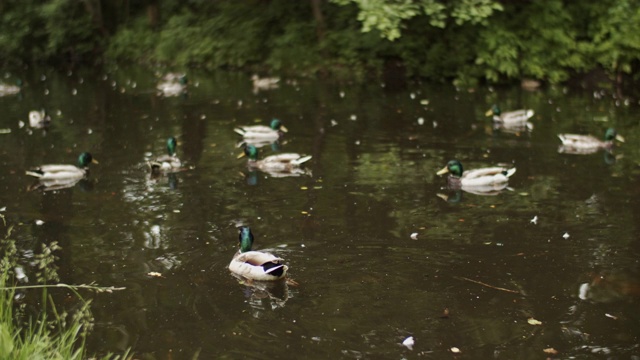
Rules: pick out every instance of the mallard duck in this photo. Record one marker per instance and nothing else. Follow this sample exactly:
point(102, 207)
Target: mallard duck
point(255, 265)
point(6, 89)
point(262, 133)
point(510, 118)
point(587, 144)
point(281, 163)
point(173, 85)
point(266, 83)
point(39, 119)
point(169, 162)
point(62, 176)
point(482, 180)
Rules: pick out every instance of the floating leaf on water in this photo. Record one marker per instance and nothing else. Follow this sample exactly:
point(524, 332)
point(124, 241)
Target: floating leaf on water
point(534, 221)
point(333, 122)
point(420, 121)
point(566, 235)
point(353, 117)
point(611, 316)
point(304, 188)
point(20, 124)
point(455, 350)
point(39, 222)
point(409, 342)
point(523, 194)
point(154, 274)
point(533, 321)
point(551, 351)
point(5, 131)
point(414, 236)
point(445, 314)
point(424, 102)
point(304, 212)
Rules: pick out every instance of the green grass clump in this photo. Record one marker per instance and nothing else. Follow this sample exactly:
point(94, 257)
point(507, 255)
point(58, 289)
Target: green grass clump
point(48, 334)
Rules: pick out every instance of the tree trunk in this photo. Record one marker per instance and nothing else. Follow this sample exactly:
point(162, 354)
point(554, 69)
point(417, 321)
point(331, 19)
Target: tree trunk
point(153, 13)
point(319, 18)
point(94, 8)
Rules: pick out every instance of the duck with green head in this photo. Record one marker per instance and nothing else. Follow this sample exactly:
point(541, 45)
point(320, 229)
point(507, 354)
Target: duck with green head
point(54, 177)
point(588, 144)
point(510, 118)
point(255, 265)
point(173, 85)
point(285, 163)
point(169, 162)
point(262, 133)
point(483, 180)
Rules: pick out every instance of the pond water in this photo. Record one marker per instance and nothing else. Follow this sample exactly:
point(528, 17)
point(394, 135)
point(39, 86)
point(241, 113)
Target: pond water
point(380, 249)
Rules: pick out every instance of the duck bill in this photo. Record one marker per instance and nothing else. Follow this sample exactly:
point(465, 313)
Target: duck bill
point(488, 113)
point(620, 138)
point(94, 161)
point(443, 171)
point(283, 128)
point(240, 156)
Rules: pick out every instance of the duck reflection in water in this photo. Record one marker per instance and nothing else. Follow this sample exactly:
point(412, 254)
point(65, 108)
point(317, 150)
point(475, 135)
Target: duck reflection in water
point(611, 286)
point(264, 295)
point(155, 178)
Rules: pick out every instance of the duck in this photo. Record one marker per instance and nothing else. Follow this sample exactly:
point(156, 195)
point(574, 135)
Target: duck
point(262, 133)
point(510, 118)
point(173, 85)
point(62, 176)
point(255, 265)
point(167, 163)
point(587, 144)
point(6, 89)
point(39, 119)
point(266, 83)
point(284, 163)
point(478, 181)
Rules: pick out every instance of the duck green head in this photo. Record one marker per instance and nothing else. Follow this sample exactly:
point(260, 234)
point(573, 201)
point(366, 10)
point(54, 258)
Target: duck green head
point(171, 145)
point(250, 151)
point(245, 238)
point(276, 124)
point(495, 110)
point(183, 80)
point(611, 134)
point(85, 159)
point(454, 167)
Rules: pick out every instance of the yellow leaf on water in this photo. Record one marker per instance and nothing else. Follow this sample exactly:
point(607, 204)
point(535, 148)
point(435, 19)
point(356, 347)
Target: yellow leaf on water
point(551, 351)
point(533, 321)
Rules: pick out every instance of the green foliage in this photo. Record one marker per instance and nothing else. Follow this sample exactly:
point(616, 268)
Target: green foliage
point(460, 40)
point(615, 34)
point(135, 42)
point(387, 16)
point(50, 335)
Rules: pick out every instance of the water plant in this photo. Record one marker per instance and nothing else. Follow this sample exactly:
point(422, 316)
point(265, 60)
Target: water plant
point(45, 333)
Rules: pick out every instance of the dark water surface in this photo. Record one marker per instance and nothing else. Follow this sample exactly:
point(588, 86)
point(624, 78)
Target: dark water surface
point(345, 230)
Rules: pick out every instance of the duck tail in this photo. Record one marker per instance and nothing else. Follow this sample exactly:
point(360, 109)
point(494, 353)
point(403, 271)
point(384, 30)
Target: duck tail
point(510, 172)
point(239, 131)
point(34, 173)
point(273, 269)
point(301, 160)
